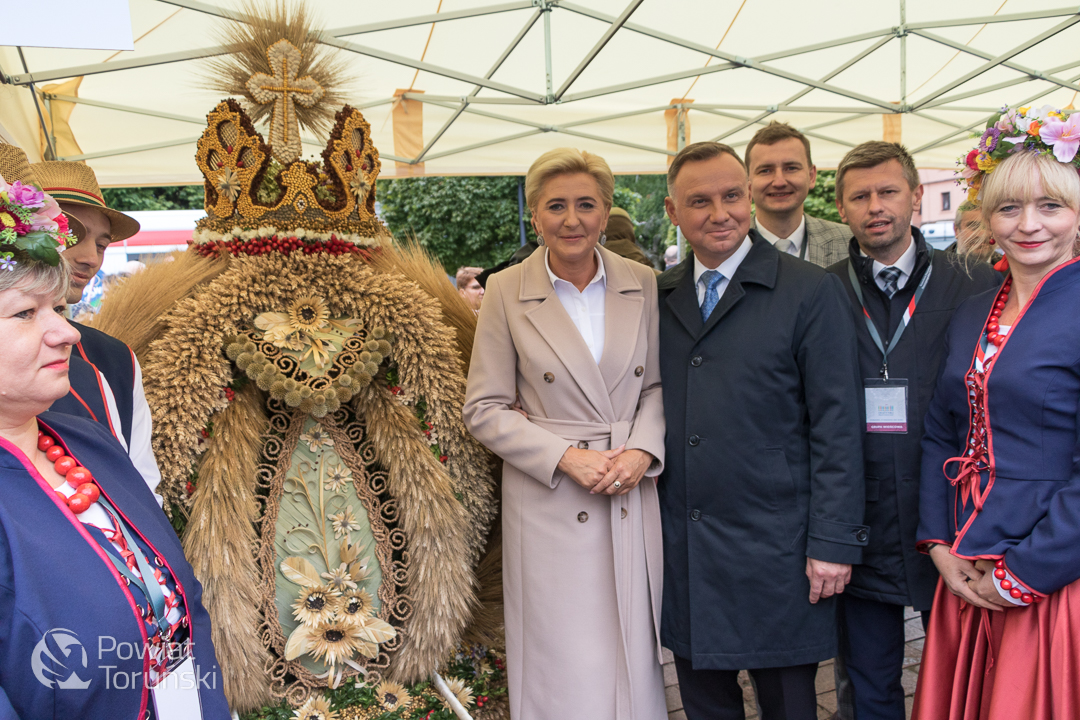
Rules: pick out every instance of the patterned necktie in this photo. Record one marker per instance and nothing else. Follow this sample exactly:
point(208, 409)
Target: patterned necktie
point(889, 276)
point(710, 279)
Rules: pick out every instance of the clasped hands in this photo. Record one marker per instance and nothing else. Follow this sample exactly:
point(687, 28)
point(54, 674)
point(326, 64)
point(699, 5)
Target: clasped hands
point(598, 470)
point(969, 581)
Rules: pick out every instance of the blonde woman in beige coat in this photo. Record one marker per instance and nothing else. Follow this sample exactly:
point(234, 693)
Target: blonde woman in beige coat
point(570, 337)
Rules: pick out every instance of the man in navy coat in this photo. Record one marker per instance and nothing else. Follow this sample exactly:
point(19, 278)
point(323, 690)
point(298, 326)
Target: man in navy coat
point(762, 496)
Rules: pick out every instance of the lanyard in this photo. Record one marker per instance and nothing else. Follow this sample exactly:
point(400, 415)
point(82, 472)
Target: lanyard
point(149, 588)
point(874, 334)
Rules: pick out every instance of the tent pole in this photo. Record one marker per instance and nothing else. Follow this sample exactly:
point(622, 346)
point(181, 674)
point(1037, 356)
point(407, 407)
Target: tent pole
point(903, 54)
point(51, 154)
point(521, 208)
point(546, 9)
point(680, 143)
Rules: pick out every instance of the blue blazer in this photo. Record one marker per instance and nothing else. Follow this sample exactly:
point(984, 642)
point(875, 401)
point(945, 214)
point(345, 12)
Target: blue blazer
point(1031, 492)
point(53, 576)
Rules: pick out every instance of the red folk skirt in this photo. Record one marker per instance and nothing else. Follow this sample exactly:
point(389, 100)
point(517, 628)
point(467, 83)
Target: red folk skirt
point(983, 665)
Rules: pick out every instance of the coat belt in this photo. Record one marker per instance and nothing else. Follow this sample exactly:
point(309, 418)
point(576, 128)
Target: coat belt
point(615, 433)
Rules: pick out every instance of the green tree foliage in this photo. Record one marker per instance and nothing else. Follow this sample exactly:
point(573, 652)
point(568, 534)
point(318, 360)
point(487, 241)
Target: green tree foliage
point(653, 226)
point(821, 202)
point(461, 220)
point(178, 197)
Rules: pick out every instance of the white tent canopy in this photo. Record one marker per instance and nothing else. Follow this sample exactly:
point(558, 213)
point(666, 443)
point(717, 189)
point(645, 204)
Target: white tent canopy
point(499, 84)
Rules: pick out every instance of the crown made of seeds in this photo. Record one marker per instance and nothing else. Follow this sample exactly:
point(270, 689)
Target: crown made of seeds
point(250, 193)
point(1046, 130)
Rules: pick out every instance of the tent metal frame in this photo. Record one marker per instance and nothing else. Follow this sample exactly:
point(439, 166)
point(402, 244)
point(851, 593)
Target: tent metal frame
point(942, 98)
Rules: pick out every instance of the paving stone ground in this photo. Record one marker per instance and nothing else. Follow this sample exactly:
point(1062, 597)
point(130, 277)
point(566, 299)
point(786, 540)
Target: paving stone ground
point(913, 633)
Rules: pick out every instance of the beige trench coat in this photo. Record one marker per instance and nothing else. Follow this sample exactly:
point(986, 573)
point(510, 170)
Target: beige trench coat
point(582, 574)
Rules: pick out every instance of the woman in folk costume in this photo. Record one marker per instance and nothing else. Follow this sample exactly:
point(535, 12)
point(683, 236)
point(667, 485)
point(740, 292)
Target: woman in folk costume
point(97, 602)
point(572, 335)
point(1000, 492)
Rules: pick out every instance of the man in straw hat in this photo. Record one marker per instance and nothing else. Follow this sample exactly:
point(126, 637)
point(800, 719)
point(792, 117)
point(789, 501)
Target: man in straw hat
point(75, 187)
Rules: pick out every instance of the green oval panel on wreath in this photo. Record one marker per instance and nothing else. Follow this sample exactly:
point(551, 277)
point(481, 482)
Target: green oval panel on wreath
point(323, 539)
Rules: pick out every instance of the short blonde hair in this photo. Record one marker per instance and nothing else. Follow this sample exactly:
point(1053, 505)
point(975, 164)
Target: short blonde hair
point(567, 161)
point(1015, 180)
point(36, 278)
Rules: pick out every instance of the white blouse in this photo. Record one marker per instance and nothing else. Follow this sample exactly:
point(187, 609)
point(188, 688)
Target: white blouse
point(585, 308)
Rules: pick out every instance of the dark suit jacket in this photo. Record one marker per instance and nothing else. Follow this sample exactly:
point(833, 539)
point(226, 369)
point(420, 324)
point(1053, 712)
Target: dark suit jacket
point(764, 461)
point(893, 571)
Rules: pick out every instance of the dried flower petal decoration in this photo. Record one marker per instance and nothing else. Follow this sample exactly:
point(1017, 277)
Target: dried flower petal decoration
point(461, 691)
point(339, 578)
point(1045, 130)
point(317, 605)
point(355, 606)
point(336, 642)
point(392, 695)
point(228, 183)
point(337, 477)
point(345, 522)
point(317, 438)
point(316, 708)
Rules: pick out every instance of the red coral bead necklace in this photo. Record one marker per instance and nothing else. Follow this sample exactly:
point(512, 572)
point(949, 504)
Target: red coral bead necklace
point(993, 325)
point(78, 477)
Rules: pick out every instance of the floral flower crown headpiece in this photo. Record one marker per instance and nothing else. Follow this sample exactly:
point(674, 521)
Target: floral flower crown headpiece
point(1044, 130)
point(31, 222)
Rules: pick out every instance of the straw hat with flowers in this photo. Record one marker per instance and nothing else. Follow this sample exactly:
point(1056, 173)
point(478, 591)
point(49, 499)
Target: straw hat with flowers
point(31, 223)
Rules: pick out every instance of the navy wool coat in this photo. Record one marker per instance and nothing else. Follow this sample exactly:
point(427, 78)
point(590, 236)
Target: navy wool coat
point(764, 461)
point(54, 576)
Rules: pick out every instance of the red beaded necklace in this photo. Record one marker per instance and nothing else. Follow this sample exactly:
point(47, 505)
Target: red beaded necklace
point(993, 324)
point(78, 477)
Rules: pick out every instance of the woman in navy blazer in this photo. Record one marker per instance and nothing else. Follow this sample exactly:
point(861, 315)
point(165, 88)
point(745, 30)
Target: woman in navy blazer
point(1000, 488)
point(79, 530)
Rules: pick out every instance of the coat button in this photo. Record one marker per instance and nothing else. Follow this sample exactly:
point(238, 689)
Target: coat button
point(624, 513)
point(694, 439)
point(583, 517)
point(861, 535)
point(582, 445)
point(549, 378)
point(695, 515)
point(638, 371)
point(696, 361)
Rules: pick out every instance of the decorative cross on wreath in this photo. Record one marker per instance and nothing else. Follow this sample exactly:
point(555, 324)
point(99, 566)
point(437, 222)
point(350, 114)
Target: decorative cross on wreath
point(283, 88)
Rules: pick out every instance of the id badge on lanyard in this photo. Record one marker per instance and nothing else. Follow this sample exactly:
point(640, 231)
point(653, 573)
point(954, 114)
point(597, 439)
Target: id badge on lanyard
point(887, 398)
point(886, 405)
point(176, 694)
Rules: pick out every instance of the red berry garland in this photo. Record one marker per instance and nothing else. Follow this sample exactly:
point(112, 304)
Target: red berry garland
point(78, 477)
point(283, 245)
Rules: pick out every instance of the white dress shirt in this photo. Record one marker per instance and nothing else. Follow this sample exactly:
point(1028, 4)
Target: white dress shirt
point(905, 264)
point(585, 308)
point(726, 268)
point(792, 244)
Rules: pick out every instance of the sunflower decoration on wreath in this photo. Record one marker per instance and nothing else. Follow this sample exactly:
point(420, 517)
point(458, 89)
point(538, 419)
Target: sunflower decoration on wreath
point(307, 408)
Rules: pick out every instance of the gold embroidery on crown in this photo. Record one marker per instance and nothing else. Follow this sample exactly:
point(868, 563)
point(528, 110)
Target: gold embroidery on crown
point(337, 195)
